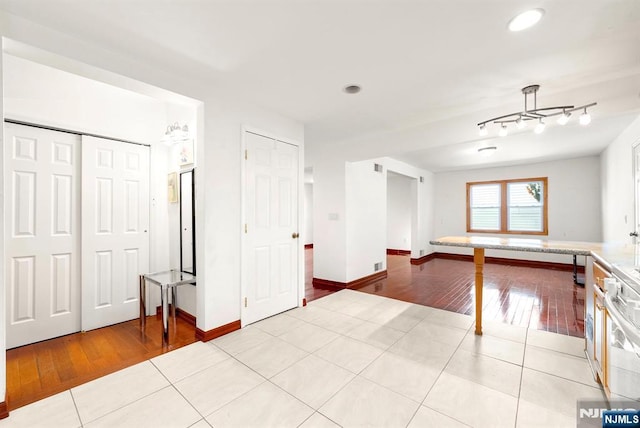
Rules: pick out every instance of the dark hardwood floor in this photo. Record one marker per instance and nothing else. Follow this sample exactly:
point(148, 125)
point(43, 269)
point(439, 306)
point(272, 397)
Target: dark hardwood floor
point(537, 298)
point(541, 299)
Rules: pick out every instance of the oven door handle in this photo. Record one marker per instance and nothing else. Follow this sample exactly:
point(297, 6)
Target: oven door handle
point(629, 330)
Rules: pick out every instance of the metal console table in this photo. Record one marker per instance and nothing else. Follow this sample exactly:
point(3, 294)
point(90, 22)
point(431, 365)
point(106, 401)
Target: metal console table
point(166, 280)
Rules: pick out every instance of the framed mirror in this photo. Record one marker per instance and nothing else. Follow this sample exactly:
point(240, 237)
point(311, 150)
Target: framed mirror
point(187, 223)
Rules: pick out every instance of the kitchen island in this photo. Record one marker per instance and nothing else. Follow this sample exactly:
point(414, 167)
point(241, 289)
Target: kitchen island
point(481, 243)
point(612, 302)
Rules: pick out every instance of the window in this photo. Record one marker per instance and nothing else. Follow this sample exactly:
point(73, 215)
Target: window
point(508, 206)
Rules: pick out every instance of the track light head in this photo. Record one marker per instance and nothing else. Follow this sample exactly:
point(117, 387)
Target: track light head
point(564, 118)
point(585, 118)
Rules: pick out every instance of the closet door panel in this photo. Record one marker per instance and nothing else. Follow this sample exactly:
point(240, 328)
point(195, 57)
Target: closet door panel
point(115, 239)
point(42, 234)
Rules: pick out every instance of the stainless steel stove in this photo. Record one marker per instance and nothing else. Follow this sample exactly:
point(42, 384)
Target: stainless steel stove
point(622, 300)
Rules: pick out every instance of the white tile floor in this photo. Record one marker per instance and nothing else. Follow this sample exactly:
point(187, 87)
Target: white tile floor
point(349, 359)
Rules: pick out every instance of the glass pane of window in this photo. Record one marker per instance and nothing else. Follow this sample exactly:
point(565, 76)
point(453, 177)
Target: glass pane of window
point(525, 206)
point(485, 206)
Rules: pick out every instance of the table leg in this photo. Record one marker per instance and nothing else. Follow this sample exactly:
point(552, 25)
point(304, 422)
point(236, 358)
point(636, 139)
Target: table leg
point(164, 296)
point(143, 305)
point(478, 259)
point(174, 302)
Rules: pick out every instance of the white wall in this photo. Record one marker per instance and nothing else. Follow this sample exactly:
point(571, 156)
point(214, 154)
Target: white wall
point(423, 205)
point(40, 94)
point(35, 92)
point(573, 198)
point(220, 194)
point(350, 216)
point(366, 208)
point(308, 213)
point(329, 224)
point(367, 213)
point(220, 118)
point(617, 185)
point(399, 207)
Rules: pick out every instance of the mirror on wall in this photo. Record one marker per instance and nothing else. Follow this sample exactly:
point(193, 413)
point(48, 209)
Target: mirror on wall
point(187, 223)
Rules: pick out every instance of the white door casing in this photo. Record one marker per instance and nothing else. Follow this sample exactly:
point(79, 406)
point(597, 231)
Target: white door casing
point(271, 245)
point(115, 224)
point(42, 229)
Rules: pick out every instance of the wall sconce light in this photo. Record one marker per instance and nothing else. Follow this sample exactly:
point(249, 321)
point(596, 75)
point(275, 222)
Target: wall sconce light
point(175, 134)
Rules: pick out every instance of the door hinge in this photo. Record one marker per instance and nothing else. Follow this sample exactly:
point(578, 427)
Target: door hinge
point(245, 302)
point(246, 154)
point(245, 228)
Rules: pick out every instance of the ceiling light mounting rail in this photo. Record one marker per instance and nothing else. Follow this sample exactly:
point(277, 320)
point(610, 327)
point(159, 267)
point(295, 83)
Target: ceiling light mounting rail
point(521, 118)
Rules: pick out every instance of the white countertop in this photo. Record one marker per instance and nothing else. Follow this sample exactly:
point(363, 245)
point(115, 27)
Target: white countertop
point(617, 254)
point(520, 244)
point(620, 258)
point(623, 260)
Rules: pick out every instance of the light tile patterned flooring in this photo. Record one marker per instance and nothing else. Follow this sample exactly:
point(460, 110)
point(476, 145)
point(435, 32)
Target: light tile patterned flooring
point(348, 359)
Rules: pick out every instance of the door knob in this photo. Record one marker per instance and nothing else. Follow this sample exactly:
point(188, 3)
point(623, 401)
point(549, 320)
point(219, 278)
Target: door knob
point(295, 235)
point(634, 234)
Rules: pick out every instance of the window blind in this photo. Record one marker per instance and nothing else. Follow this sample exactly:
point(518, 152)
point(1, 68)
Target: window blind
point(485, 207)
point(524, 210)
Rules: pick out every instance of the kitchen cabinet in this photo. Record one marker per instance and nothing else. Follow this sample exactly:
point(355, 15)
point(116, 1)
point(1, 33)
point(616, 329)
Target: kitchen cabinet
point(596, 323)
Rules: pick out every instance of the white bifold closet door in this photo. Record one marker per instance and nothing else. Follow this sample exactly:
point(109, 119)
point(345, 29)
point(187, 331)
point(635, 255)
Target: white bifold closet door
point(42, 234)
point(76, 232)
point(115, 224)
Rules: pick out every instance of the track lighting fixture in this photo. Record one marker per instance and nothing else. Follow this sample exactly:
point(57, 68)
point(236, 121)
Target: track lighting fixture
point(520, 118)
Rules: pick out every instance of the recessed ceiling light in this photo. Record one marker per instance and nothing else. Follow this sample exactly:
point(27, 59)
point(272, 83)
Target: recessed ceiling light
point(352, 89)
point(525, 20)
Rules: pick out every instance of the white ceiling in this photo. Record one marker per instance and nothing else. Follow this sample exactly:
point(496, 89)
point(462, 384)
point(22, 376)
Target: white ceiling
point(430, 70)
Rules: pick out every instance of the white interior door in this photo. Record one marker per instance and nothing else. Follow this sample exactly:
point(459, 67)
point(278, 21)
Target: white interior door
point(115, 224)
point(271, 245)
point(42, 233)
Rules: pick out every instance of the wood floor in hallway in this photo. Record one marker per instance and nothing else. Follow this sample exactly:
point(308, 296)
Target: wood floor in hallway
point(45, 368)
